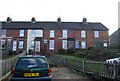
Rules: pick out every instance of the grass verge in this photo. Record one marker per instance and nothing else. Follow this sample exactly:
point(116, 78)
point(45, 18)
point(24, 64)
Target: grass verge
point(9, 57)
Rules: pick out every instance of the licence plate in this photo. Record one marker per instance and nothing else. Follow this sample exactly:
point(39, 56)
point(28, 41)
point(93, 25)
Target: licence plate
point(31, 74)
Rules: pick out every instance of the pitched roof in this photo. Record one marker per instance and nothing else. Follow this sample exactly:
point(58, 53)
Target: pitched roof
point(54, 25)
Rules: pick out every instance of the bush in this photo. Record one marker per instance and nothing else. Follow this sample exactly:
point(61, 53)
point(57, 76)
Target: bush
point(80, 54)
point(89, 48)
point(70, 51)
point(20, 52)
point(61, 51)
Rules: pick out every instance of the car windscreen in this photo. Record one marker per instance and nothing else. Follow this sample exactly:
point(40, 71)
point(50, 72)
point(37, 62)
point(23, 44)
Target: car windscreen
point(31, 63)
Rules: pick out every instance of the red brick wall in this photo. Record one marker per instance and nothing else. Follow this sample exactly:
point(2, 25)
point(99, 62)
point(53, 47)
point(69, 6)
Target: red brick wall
point(103, 35)
point(15, 36)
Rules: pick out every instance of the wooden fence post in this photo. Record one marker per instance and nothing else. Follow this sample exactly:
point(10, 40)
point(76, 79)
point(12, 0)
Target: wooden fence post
point(115, 70)
point(83, 65)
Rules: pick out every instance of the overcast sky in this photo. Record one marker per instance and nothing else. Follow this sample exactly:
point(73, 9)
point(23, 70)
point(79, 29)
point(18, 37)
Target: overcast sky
point(104, 11)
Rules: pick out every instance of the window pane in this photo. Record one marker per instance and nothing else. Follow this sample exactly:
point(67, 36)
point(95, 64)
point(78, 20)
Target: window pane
point(32, 45)
point(14, 45)
point(51, 45)
point(83, 33)
point(64, 44)
point(33, 33)
point(96, 34)
point(38, 33)
point(77, 44)
point(83, 44)
point(51, 33)
point(20, 44)
point(64, 33)
point(70, 44)
point(21, 33)
point(105, 44)
point(3, 43)
point(32, 62)
point(4, 33)
point(9, 44)
point(37, 47)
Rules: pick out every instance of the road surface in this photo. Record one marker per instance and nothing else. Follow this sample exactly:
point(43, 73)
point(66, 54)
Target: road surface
point(65, 73)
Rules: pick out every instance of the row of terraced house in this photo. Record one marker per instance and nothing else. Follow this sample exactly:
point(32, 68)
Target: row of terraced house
point(51, 36)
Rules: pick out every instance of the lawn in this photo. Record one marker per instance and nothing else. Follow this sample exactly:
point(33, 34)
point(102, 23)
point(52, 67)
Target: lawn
point(73, 57)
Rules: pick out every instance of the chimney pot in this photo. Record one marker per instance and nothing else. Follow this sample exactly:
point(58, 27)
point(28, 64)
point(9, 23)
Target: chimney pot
point(8, 20)
point(84, 20)
point(59, 20)
point(33, 20)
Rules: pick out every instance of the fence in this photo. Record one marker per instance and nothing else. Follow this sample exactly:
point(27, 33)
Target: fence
point(96, 68)
point(8, 64)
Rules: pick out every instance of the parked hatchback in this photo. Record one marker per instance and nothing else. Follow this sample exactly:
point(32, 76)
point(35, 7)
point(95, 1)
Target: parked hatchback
point(31, 68)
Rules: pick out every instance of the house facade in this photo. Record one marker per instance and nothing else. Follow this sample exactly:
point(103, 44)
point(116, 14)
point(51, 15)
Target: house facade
point(51, 36)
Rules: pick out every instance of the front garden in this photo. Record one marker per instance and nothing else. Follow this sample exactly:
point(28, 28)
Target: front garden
point(91, 53)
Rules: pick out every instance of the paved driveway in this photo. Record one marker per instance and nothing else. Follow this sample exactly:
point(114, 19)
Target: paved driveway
point(66, 73)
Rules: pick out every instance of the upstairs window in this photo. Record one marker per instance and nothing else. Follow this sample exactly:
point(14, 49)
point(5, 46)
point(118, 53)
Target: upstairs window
point(64, 33)
point(96, 34)
point(33, 33)
point(21, 33)
point(83, 33)
point(21, 43)
point(52, 33)
point(4, 33)
point(51, 44)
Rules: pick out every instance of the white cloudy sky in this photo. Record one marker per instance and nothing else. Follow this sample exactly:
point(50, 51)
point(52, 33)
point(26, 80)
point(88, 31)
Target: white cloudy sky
point(104, 11)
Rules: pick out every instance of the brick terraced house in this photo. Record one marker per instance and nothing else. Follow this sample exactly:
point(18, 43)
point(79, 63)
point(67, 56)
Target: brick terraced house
point(51, 36)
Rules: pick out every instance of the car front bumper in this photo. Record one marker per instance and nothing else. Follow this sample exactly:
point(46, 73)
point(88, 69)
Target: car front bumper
point(32, 79)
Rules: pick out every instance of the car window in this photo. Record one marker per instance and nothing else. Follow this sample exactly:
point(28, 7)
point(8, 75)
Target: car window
point(31, 63)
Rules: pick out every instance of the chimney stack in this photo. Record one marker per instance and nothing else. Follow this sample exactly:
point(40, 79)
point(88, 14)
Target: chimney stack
point(59, 20)
point(33, 20)
point(8, 20)
point(84, 20)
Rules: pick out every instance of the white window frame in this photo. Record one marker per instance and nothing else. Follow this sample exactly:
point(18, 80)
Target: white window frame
point(83, 33)
point(21, 33)
point(77, 45)
point(21, 44)
point(83, 44)
point(4, 32)
point(52, 33)
point(14, 45)
point(51, 45)
point(64, 44)
point(96, 34)
point(33, 32)
point(37, 46)
point(64, 33)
